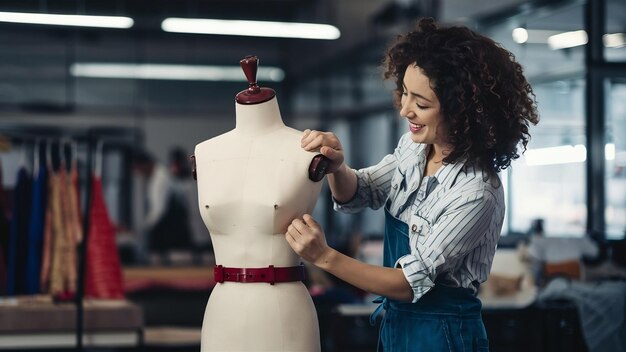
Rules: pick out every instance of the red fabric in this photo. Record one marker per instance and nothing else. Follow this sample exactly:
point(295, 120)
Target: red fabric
point(103, 271)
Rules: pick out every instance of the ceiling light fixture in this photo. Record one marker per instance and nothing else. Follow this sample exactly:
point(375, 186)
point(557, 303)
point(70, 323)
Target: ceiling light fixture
point(171, 72)
point(520, 35)
point(532, 36)
point(562, 40)
point(614, 40)
point(609, 151)
point(567, 40)
point(67, 20)
point(251, 28)
point(563, 154)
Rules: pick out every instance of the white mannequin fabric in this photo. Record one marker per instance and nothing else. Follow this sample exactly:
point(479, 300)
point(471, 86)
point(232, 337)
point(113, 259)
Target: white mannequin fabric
point(252, 182)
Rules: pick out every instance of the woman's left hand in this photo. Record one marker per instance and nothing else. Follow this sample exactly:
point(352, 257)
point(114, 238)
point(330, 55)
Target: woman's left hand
point(307, 238)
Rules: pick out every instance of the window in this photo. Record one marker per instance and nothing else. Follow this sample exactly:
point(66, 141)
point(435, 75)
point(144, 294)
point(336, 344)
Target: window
point(614, 39)
point(615, 153)
point(548, 181)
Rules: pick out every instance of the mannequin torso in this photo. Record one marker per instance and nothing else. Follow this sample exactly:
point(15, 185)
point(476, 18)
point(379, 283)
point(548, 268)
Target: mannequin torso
point(252, 182)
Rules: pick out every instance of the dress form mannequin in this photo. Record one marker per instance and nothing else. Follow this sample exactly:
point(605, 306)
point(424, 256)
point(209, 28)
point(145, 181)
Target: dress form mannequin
point(252, 182)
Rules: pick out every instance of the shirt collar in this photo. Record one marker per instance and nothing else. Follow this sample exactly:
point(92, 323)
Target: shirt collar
point(447, 174)
point(416, 159)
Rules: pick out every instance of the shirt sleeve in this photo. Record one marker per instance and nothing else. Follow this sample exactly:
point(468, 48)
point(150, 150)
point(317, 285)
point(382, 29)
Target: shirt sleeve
point(373, 184)
point(464, 227)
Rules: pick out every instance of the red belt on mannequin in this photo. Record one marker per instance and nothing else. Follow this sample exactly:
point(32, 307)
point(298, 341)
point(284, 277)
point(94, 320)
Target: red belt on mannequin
point(271, 274)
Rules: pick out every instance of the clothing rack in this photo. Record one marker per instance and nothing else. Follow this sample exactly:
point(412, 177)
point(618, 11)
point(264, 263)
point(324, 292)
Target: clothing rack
point(90, 137)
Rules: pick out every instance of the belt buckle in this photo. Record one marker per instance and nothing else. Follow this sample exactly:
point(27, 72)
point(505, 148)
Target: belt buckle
point(242, 275)
point(218, 273)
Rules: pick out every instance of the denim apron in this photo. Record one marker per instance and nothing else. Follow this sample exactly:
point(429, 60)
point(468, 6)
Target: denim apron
point(444, 319)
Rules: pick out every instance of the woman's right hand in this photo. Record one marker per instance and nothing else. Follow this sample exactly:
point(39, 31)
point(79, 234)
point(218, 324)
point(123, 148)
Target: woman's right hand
point(327, 144)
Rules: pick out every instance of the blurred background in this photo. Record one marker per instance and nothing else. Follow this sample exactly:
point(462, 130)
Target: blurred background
point(107, 111)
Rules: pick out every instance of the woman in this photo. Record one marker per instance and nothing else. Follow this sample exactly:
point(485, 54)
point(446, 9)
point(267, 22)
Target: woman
point(468, 107)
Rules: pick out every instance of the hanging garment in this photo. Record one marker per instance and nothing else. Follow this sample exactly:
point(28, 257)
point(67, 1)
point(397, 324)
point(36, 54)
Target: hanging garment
point(16, 261)
point(103, 270)
point(36, 231)
point(73, 230)
point(46, 256)
point(4, 239)
point(58, 240)
point(73, 197)
point(63, 234)
point(68, 247)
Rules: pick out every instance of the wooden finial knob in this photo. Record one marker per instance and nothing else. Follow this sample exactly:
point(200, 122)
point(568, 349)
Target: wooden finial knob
point(250, 64)
point(254, 94)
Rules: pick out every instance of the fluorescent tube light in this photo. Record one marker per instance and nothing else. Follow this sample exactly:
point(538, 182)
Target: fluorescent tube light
point(561, 40)
point(251, 28)
point(563, 154)
point(532, 36)
point(567, 40)
point(67, 20)
point(609, 151)
point(614, 40)
point(172, 72)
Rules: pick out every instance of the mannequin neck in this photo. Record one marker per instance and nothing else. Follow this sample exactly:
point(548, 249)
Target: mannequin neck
point(258, 119)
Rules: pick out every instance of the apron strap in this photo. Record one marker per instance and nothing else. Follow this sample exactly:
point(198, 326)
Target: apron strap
point(382, 305)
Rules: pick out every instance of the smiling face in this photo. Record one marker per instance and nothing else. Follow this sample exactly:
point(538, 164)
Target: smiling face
point(420, 106)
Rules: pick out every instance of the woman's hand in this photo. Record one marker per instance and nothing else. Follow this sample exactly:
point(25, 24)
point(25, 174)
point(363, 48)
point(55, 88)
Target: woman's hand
point(307, 238)
point(327, 144)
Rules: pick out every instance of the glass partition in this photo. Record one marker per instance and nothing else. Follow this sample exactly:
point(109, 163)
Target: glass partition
point(615, 153)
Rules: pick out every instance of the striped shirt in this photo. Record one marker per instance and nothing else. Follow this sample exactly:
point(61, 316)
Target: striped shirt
point(454, 216)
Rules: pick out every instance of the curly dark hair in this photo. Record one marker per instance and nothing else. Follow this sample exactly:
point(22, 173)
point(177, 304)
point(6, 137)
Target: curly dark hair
point(486, 102)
